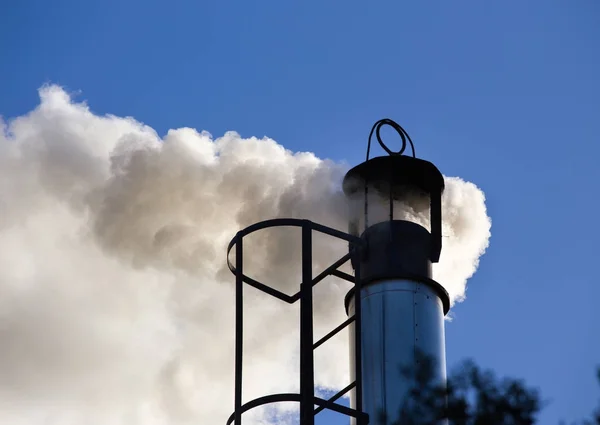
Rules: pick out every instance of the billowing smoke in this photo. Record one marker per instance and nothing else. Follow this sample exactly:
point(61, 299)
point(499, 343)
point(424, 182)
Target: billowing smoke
point(116, 306)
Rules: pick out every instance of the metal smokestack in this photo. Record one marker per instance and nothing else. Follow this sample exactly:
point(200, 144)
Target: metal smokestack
point(402, 307)
point(396, 311)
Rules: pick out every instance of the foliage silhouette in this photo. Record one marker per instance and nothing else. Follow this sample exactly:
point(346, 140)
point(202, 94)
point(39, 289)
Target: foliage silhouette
point(471, 396)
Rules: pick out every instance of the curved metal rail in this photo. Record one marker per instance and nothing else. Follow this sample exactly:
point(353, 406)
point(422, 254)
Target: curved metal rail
point(306, 397)
point(293, 397)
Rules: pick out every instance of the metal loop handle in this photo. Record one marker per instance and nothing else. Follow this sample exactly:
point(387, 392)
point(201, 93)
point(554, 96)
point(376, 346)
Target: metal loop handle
point(403, 135)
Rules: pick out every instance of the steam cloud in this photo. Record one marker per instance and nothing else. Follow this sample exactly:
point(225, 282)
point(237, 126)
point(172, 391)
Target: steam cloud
point(116, 306)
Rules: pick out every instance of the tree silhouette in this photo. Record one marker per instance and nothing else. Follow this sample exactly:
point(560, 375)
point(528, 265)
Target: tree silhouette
point(471, 396)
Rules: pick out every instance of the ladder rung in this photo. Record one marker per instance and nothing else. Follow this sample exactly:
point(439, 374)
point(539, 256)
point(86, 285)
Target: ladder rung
point(333, 332)
point(336, 396)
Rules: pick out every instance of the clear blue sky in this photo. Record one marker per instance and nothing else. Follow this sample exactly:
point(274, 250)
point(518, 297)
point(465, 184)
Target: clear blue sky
point(504, 94)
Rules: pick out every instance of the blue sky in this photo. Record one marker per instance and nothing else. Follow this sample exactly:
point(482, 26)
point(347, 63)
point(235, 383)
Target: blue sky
point(504, 94)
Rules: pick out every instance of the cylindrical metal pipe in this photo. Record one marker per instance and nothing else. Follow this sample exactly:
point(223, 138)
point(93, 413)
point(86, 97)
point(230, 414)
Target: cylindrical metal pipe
point(402, 307)
point(400, 319)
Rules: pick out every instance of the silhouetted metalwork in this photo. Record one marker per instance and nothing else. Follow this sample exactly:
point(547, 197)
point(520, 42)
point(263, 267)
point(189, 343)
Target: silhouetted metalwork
point(392, 175)
point(401, 132)
point(394, 295)
point(402, 307)
point(306, 397)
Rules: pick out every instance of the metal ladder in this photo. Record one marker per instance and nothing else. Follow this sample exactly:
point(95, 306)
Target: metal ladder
point(306, 397)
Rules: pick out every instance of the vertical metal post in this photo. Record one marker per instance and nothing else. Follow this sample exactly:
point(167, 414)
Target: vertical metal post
point(435, 211)
point(307, 379)
point(357, 336)
point(391, 198)
point(366, 209)
point(239, 326)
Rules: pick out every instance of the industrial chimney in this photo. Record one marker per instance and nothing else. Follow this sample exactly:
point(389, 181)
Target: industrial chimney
point(402, 307)
point(395, 309)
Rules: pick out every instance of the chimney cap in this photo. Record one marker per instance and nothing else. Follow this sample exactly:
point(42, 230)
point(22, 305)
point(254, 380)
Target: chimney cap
point(396, 176)
point(398, 170)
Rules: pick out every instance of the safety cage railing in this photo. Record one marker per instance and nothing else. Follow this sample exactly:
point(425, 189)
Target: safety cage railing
point(306, 397)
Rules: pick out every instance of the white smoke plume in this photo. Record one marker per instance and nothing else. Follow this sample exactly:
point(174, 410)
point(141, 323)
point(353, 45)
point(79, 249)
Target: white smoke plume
point(116, 306)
